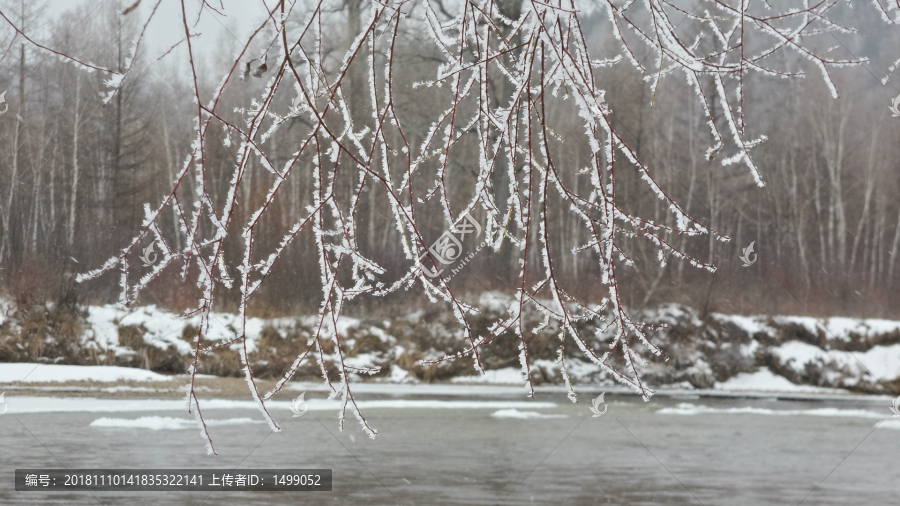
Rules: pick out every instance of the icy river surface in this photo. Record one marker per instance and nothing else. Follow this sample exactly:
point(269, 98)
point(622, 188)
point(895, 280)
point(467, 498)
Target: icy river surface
point(480, 450)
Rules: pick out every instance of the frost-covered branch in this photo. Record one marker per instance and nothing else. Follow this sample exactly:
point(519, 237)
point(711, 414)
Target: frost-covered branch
point(502, 71)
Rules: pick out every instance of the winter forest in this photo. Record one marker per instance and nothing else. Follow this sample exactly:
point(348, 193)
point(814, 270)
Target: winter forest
point(77, 170)
point(577, 164)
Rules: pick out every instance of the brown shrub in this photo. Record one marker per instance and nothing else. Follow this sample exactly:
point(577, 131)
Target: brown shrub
point(43, 333)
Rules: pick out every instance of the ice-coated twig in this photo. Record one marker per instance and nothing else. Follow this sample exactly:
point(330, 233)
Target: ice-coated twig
point(354, 141)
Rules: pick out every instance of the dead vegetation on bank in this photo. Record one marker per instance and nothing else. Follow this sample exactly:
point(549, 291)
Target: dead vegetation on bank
point(701, 352)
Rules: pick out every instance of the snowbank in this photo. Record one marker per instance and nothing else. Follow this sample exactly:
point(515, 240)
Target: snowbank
point(729, 353)
point(764, 380)
point(839, 327)
point(164, 328)
point(44, 373)
point(835, 327)
point(699, 409)
point(505, 376)
point(523, 415)
point(881, 363)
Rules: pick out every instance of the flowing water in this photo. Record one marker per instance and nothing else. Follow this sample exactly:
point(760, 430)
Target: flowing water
point(668, 451)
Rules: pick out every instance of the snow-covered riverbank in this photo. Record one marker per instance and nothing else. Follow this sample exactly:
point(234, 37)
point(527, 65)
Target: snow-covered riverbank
point(721, 352)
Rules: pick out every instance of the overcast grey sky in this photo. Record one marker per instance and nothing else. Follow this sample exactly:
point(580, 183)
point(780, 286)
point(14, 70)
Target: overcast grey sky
point(239, 19)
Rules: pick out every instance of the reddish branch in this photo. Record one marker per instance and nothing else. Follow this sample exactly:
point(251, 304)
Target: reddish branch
point(540, 54)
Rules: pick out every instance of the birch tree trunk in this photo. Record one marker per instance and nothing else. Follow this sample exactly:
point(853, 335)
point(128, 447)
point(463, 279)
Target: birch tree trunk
point(76, 126)
point(832, 136)
point(867, 200)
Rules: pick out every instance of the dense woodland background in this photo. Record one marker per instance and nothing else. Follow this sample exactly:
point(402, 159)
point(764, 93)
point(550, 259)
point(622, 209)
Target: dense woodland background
point(74, 175)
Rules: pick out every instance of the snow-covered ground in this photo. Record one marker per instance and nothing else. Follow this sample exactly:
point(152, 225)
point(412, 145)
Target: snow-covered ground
point(764, 380)
point(882, 362)
point(524, 415)
point(46, 373)
point(164, 328)
point(505, 376)
point(726, 353)
point(688, 409)
point(699, 409)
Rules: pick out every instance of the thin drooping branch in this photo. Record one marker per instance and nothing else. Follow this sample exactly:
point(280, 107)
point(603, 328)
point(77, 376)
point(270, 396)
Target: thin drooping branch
point(498, 82)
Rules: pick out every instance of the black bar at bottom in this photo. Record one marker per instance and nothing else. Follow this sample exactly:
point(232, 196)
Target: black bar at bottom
point(141, 480)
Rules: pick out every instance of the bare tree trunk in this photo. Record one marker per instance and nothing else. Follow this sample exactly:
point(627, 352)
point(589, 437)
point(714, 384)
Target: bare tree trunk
point(882, 227)
point(53, 186)
point(576, 237)
point(759, 238)
point(867, 200)
point(877, 245)
point(713, 213)
point(822, 249)
point(892, 258)
point(6, 247)
point(691, 184)
point(776, 201)
point(833, 148)
point(36, 202)
point(76, 125)
point(798, 222)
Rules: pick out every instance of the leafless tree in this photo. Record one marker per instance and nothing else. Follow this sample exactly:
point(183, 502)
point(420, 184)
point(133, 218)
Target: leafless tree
point(508, 74)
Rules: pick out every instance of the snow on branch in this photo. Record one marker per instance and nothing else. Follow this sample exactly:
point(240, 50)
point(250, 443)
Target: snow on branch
point(355, 141)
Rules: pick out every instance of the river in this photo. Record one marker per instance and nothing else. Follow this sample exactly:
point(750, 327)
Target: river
point(672, 450)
